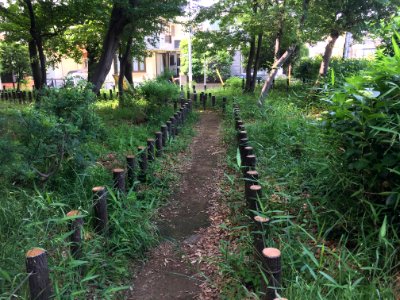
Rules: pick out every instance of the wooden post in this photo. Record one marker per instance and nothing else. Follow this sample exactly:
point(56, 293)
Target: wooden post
point(242, 83)
point(273, 268)
point(175, 105)
point(176, 123)
point(131, 167)
point(75, 226)
point(259, 233)
point(188, 94)
point(243, 143)
point(173, 124)
point(169, 129)
point(241, 134)
point(194, 88)
point(195, 99)
point(250, 178)
point(182, 101)
point(104, 96)
point(238, 123)
point(150, 149)
point(254, 193)
point(159, 143)
point(213, 101)
point(164, 131)
point(111, 94)
point(250, 162)
point(204, 101)
point(38, 270)
point(119, 180)
point(100, 209)
point(142, 162)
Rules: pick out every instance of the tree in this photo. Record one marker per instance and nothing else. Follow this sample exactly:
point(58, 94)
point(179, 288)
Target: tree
point(357, 17)
point(14, 60)
point(139, 14)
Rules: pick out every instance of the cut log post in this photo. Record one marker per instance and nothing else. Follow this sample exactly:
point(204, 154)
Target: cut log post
point(241, 134)
point(150, 149)
point(195, 99)
point(177, 122)
point(188, 94)
point(238, 123)
point(175, 105)
point(142, 154)
point(119, 180)
point(173, 124)
point(169, 129)
point(111, 94)
point(164, 131)
point(75, 226)
point(250, 162)
point(159, 143)
point(100, 209)
point(254, 193)
point(204, 101)
point(131, 168)
point(248, 151)
point(243, 143)
point(260, 229)
point(39, 280)
point(194, 88)
point(273, 269)
point(213, 101)
point(182, 101)
point(250, 178)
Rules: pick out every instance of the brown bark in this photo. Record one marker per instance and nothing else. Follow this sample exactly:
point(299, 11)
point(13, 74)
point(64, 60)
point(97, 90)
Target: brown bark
point(249, 65)
point(118, 21)
point(124, 60)
point(256, 62)
point(323, 70)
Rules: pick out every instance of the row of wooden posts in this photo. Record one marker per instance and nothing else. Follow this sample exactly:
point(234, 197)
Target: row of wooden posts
point(136, 169)
point(271, 257)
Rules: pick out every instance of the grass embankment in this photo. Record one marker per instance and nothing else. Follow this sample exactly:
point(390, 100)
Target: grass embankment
point(33, 214)
point(334, 244)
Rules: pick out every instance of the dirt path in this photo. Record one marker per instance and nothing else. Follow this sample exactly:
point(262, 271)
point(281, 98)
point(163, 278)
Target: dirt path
point(169, 273)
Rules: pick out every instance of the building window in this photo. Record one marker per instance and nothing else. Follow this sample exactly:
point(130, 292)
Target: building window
point(139, 65)
point(168, 39)
point(177, 44)
point(172, 60)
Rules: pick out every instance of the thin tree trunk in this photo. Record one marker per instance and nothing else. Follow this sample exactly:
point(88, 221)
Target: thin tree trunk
point(129, 69)
point(323, 70)
point(250, 64)
point(110, 45)
point(42, 59)
point(122, 68)
point(92, 62)
point(274, 70)
point(256, 62)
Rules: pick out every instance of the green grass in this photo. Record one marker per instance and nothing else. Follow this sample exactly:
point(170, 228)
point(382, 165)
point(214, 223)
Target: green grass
point(334, 245)
point(34, 215)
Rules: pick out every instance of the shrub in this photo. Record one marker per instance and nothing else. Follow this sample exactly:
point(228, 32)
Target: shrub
point(307, 69)
point(365, 111)
point(234, 82)
point(156, 91)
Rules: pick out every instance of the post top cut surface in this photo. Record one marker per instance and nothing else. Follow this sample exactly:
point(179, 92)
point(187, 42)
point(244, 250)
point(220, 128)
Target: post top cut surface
point(271, 252)
point(255, 187)
point(98, 189)
point(252, 173)
point(261, 219)
point(150, 140)
point(130, 156)
point(35, 252)
point(251, 156)
point(158, 132)
point(73, 213)
point(118, 170)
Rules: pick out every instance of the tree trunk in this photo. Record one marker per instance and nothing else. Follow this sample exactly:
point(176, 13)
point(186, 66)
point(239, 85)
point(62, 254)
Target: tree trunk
point(36, 74)
point(92, 62)
point(323, 70)
point(122, 68)
point(250, 64)
point(256, 62)
point(42, 58)
point(129, 69)
point(117, 24)
point(274, 70)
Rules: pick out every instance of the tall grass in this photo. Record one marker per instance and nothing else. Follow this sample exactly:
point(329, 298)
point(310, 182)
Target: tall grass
point(35, 216)
point(334, 244)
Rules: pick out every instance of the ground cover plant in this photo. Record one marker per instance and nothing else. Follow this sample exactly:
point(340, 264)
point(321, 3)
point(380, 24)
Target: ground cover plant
point(335, 243)
point(97, 136)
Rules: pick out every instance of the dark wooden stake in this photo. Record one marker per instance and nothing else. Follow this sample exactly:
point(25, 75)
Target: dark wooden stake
point(169, 128)
point(224, 104)
point(159, 143)
point(150, 149)
point(164, 131)
point(253, 195)
point(100, 209)
point(75, 226)
point(273, 268)
point(259, 233)
point(131, 167)
point(250, 178)
point(142, 162)
point(213, 101)
point(38, 270)
point(119, 179)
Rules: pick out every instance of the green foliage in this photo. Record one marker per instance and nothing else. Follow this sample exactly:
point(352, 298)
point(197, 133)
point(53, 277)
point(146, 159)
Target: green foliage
point(156, 92)
point(307, 69)
point(220, 60)
point(366, 113)
point(234, 83)
point(14, 60)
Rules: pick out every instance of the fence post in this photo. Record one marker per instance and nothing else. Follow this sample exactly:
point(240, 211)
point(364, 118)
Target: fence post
point(142, 162)
point(213, 100)
point(273, 267)
point(173, 124)
point(164, 131)
point(195, 99)
point(253, 195)
point(119, 179)
point(131, 167)
point(260, 228)
point(100, 209)
point(224, 104)
point(150, 149)
point(75, 226)
point(159, 143)
point(38, 270)
point(250, 178)
point(169, 129)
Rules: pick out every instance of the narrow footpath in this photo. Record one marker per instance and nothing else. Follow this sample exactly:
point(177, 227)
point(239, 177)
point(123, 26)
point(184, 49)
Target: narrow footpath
point(170, 272)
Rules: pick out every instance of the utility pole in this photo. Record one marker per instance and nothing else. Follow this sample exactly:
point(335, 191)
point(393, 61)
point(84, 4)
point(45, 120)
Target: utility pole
point(190, 45)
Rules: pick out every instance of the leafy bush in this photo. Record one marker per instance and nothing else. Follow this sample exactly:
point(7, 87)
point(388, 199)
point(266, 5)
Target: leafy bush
point(155, 92)
point(307, 69)
point(50, 137)
point(365, 111)
point(234, 82)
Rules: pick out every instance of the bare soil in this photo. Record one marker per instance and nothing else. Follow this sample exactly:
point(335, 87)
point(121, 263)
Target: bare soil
point(174, 269)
